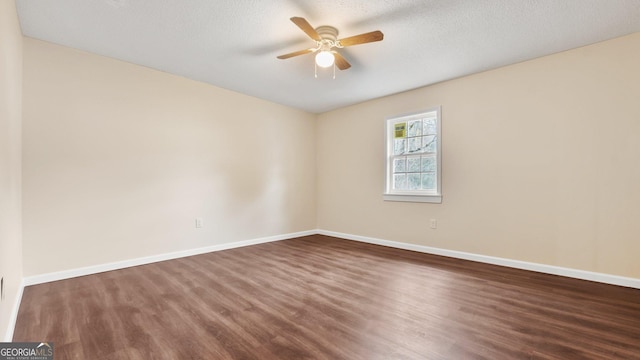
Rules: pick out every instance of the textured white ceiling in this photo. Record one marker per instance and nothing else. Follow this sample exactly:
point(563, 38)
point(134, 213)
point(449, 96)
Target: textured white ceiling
point(234, 43)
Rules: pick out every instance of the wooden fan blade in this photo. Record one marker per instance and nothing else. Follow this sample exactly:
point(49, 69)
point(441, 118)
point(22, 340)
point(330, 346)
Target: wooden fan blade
point(341, 62)
point(306, 27)
point(296, 53)
point(362, 38)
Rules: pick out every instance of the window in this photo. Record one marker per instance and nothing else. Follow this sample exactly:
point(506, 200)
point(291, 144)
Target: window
point(413, 157)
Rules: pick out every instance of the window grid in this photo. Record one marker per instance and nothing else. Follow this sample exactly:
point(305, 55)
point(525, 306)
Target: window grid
point(413, 157)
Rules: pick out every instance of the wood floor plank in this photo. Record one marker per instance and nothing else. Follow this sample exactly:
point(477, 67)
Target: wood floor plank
point(319, 297)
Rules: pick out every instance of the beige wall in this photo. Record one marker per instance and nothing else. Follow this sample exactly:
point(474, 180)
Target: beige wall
point(10, 163)
point(540, 163)
point(119, 159)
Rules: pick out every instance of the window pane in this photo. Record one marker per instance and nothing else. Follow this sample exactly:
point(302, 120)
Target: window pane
point(428, 163)
point(415, 144)
point(400, 165)
point(429, 143)
point(413, 164)
point(400, 181)
point(399, 146)
point(429, 181)
point(413, 181)
point(415, 128)
point(429, 127)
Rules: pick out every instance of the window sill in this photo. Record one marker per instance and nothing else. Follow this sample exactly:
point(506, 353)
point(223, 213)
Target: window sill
point(436, 199)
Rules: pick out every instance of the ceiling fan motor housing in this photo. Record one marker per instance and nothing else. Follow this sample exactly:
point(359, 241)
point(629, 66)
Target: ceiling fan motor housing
point(329, 36)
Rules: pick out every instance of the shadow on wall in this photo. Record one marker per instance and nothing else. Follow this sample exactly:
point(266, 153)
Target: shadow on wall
point(258, 182)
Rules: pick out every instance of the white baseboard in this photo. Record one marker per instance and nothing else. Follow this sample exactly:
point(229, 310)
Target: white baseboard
point(548, 269)
point(542, 268)
point(8, 337)
point(67, 274)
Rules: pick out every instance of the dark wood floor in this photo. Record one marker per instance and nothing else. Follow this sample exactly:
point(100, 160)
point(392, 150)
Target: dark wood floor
point(319, 297)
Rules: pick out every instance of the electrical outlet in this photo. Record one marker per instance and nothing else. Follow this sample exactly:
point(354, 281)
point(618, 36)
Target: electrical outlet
point(433, 224)
point(198, 223)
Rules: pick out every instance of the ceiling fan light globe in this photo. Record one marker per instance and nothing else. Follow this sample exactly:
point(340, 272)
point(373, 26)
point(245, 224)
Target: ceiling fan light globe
point(324, 59)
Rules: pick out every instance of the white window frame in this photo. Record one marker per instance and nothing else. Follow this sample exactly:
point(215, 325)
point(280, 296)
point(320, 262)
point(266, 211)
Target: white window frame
point(428, 196)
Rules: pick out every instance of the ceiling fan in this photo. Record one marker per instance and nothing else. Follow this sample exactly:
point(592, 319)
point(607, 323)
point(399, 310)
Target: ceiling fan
point(327, 43)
